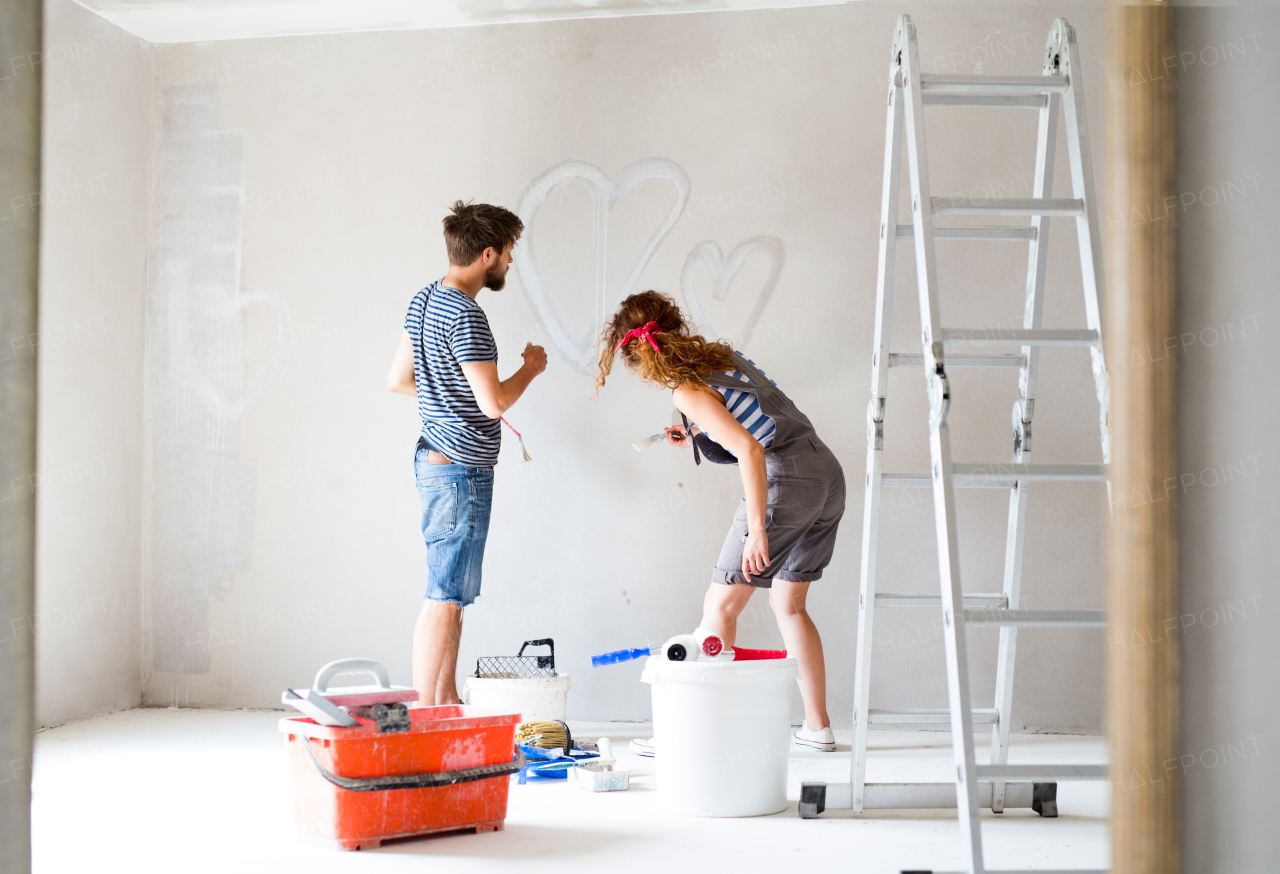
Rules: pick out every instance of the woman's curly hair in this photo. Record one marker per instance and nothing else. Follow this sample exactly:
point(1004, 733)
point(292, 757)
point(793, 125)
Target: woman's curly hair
point(685, 356)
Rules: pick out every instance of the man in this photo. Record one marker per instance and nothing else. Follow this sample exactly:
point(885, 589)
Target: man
point(448, 360)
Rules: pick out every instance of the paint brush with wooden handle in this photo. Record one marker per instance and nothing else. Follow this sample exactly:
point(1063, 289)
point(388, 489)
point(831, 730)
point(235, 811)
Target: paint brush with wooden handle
point(642, 445)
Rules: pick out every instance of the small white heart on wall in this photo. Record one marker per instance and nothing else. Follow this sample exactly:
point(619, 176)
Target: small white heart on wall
point(723, 272)
point(605, 192)
point(206, 340)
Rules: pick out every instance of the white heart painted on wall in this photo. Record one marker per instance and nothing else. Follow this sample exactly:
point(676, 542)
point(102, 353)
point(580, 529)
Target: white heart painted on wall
point(206, 340)
point(605, 192)
point(723, 272)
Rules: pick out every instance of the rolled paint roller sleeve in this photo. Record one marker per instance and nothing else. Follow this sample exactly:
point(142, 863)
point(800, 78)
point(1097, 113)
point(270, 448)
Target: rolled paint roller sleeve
point(682, 648)
point(708, 641)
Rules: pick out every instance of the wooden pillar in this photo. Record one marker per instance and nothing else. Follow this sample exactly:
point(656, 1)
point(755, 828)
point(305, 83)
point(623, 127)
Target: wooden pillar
point(20, 55)
point(1141, 310)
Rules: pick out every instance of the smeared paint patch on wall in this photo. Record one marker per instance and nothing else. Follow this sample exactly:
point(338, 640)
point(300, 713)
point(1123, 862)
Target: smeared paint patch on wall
point(202, 491)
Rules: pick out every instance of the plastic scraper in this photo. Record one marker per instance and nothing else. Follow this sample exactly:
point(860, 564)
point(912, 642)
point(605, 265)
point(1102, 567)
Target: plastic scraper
point(325, 705)
point(319, 708)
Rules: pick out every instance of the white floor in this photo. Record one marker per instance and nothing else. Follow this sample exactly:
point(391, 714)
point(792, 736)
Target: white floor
point(180, 791)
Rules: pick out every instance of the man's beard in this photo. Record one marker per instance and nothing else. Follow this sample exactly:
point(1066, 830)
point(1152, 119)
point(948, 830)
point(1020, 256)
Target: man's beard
point(494, 281)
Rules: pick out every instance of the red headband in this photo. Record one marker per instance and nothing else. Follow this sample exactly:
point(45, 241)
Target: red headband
point(646, 332)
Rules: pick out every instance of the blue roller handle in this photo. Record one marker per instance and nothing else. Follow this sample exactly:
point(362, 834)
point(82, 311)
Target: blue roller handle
point(622, 655)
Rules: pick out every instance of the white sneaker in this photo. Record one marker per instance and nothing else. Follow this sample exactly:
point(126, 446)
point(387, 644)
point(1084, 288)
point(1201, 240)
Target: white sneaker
point(822, 739)
point(645, 746)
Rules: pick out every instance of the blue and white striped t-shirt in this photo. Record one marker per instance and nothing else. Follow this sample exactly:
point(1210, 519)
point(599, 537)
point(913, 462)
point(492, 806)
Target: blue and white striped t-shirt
point(449, 329)
point(745, 407)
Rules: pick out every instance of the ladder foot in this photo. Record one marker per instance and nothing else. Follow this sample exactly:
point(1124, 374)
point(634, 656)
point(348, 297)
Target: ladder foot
point(1044, 799)
point(813, 799)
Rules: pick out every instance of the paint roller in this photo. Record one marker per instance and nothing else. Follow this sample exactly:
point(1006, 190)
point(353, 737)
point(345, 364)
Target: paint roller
point(682, 648)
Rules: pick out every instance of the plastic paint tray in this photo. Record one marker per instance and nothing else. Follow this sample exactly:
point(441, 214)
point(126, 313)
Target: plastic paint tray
point(599, 778)
point(449, 770)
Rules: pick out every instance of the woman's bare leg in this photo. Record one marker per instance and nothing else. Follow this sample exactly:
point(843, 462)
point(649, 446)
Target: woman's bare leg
point(721, 607)
point(801, 636)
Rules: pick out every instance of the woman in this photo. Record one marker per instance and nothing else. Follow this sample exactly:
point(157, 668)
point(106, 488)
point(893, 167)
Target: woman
point(784, 531)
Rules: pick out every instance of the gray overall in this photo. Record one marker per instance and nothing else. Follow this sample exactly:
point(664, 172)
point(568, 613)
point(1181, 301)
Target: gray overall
point(805, 497)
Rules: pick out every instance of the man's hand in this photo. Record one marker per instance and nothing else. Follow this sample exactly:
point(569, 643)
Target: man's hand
point(535, 358)
point(494, 396)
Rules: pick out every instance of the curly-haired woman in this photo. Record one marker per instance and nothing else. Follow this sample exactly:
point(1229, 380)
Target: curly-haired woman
point(784, 532)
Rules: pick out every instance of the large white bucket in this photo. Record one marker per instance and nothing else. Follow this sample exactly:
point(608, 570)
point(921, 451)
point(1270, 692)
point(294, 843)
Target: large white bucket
point(722, 732)
point(536, 699)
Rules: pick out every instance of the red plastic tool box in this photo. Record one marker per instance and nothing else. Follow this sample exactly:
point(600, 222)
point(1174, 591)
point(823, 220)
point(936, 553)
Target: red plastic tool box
point(361, 786)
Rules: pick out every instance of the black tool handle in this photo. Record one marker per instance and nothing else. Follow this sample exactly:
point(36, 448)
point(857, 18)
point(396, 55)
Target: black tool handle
point(543, 661)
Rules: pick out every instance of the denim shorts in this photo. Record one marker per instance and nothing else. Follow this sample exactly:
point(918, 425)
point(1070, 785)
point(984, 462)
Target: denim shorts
point(804, 506)
point(456, 501)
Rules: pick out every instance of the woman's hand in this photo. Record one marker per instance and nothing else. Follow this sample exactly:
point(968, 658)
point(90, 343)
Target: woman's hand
point(677, 437)
point(755, 553)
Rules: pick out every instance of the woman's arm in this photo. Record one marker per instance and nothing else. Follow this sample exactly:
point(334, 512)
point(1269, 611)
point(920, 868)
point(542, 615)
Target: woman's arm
point(706, 407)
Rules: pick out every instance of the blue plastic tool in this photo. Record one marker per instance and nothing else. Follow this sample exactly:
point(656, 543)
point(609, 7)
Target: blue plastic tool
point(537, 764)
point(622, 655)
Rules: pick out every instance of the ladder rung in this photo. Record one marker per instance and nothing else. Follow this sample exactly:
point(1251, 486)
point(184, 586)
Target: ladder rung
point(999, 476)
point(969, 84)
point(915, 359)
point(989, 599)
point(1041, 773)
point(1032, 206)
point(1024, 235)
point(929, 716)
point(1036, 618)
point(922, 796)
point(989, 101)
point(1019, 336)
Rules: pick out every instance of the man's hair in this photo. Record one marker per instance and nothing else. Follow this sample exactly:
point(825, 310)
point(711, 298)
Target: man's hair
point(470, 228)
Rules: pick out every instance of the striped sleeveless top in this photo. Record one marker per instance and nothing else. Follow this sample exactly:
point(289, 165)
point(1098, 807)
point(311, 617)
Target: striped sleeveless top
point(745, 407)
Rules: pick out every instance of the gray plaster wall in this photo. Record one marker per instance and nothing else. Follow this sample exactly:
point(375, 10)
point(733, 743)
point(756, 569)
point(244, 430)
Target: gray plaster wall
point(279, 520)
point(95, 206)
point(354, 146)
point(1227, 628)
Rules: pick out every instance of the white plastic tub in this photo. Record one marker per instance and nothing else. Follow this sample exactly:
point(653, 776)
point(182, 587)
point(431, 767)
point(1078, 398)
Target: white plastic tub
point(722, 732)
point(536, 699)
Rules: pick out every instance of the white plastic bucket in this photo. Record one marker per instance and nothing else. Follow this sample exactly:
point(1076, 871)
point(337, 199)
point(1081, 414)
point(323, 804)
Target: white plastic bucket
point(536, 699)
point(722, 732)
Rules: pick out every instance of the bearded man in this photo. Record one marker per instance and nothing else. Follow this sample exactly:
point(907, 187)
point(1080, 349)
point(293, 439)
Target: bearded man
point(448, 360)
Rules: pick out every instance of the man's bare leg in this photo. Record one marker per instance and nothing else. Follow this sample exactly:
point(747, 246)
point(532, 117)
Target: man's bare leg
point(435, 652)
point(447, 679)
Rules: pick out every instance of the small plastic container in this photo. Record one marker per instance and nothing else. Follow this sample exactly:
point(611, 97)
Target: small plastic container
point(450, 768)
point(601, 777)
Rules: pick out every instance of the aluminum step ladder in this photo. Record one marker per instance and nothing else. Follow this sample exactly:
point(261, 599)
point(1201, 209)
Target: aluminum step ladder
point(998, 785)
